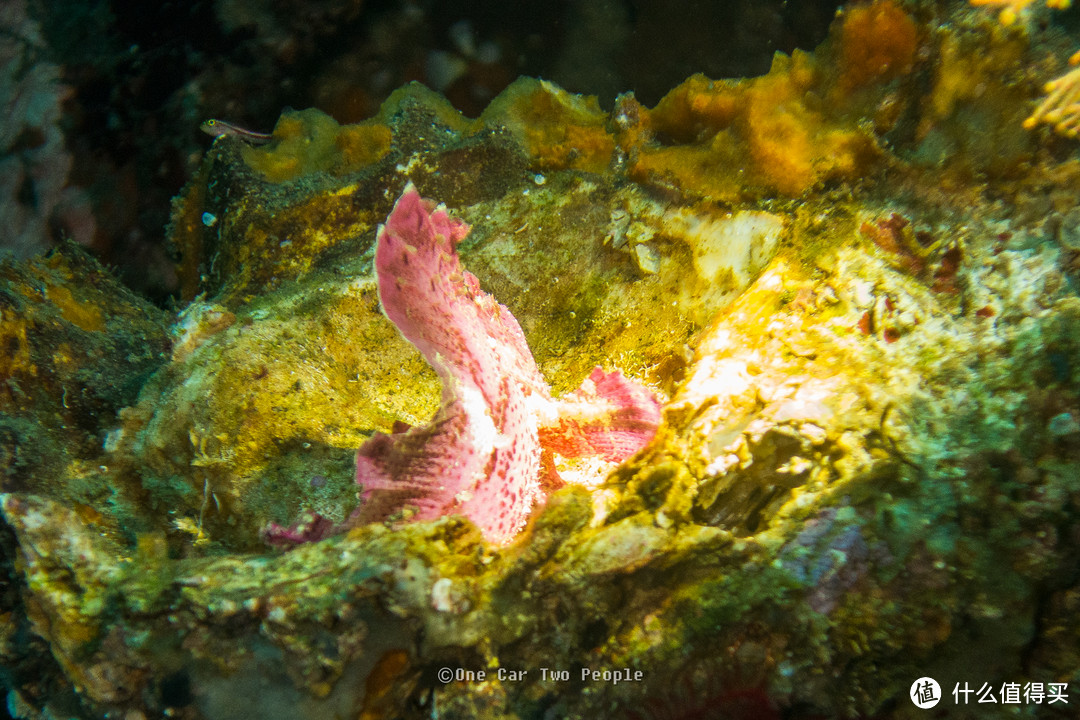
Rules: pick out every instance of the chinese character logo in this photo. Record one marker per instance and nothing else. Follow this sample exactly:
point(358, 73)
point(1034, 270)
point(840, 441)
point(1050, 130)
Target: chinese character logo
point(925, 693)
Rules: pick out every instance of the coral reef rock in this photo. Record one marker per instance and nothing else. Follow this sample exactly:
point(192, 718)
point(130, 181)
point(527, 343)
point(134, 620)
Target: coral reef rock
point(852, 282)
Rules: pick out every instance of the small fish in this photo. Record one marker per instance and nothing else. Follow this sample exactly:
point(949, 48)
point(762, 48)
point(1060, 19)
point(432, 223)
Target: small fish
point(218, 128)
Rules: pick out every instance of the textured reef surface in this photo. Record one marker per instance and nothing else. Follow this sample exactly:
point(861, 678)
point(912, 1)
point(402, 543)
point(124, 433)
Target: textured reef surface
point(849, 284)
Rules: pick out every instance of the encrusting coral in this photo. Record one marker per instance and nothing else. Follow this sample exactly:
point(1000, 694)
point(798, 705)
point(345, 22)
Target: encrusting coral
point(480, 455)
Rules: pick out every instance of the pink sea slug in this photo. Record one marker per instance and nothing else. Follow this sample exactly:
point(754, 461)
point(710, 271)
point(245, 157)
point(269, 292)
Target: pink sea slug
point(481, 455)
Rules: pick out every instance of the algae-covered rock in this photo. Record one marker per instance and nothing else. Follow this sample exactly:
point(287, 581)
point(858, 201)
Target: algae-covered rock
point(867, 469)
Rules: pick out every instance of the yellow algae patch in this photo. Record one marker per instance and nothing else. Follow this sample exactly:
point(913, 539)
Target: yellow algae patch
point(559, 130)
point(86, 317)
point(304, 142)
point(878, 42)
point(15, 357)
point(709, 170)
point(696, 107)
point(793, 144)
point(286, 243)
point(782, 133)
point(64, 360)
point(310, 141)
point(802, 124)
point(361, 145)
